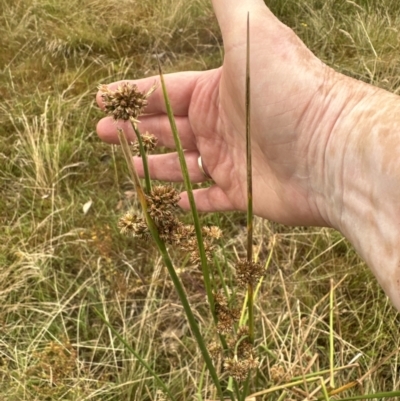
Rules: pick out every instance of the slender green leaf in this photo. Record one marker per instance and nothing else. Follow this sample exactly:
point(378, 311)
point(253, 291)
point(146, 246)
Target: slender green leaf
point(371, 396)
point(196, 221)
point(331, 339)
point(250, 289)
point(137, 356)
point(188, 187)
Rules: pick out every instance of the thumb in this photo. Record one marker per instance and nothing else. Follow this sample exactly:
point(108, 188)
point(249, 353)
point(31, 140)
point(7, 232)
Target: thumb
point(232, 17)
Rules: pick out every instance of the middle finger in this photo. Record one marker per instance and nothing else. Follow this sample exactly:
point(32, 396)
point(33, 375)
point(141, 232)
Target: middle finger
point(157, 124)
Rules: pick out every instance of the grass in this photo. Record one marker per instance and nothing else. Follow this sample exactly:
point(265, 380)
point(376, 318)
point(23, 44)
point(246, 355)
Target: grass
point(57, 263)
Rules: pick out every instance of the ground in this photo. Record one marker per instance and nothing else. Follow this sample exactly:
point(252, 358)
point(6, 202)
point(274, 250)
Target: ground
point(60, 262)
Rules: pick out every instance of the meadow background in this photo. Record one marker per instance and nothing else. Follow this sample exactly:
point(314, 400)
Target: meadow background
point(57, 262)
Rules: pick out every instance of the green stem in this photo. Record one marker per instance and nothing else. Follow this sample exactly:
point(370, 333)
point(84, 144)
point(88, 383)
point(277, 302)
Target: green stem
point(168, 263)
point(196, 220)
point(189, 314)
point(331, 339)
point(143, 155)
point(135, 178)
point(246, 387)
point(282, 396)
point(250, 290)
point(188, 187)
point(250, 308)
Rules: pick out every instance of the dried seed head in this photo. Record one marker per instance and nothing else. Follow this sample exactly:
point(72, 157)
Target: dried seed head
point(215, 350)
point(244, 348)
point(130, 223)
point(161, 205)
point(125, 103)
point(248, 272)
point(195, 253)
point(183, 237)
point(236, 369)
point(220, 299)
point(226, 316)
point(164, 196)
point(209, 234)
point(225, 321)
point(277, 373)
point(239, 369)
point(149, 143)
point(213, 232)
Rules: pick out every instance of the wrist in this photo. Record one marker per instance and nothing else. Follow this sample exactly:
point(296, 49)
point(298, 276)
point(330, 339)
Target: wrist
point(338, 120)
point(358, 192)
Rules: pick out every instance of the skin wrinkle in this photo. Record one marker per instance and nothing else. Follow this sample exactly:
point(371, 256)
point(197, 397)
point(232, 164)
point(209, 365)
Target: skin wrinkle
point(363, 216)
point(370, 213)
point(337, 111)
point(297, 128)
point(317, 159)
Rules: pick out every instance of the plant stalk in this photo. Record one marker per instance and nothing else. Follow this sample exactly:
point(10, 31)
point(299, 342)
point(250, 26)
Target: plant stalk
point(188, 187)
point(143, 155)
point(250, 289)
point(168, 262)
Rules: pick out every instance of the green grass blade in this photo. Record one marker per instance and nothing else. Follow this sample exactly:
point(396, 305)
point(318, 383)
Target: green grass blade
point(250, 289)
point(137, 356)
point(246, 387)
point(248, 152)
point(331, 339)
point(324, 390)
point(188, 187)
point(372, 396)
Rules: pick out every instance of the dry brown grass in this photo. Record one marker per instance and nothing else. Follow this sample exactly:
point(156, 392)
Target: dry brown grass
point(56, 262)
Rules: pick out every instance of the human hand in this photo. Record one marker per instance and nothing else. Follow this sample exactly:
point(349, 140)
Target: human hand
point(325, 147)
point(210, 114)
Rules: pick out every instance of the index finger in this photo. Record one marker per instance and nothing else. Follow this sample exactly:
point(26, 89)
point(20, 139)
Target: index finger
point(180, 87)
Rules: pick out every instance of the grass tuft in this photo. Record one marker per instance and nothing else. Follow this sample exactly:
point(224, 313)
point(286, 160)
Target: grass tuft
point(58, 263)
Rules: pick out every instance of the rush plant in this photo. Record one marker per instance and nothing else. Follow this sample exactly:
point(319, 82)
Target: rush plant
point(231, 360)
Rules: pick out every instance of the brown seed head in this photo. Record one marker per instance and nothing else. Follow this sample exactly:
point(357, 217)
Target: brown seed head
point(213, 232)
point(149, 143)
point(126, 102)
point(277, 373)
point(226, 316)
point(130, 223)
point(164, 196)
point(183, 236)
point(244, 348)
point(248, 272)
point(215, 350)
point(239, 369)
point(192, 247)
point(161, 204)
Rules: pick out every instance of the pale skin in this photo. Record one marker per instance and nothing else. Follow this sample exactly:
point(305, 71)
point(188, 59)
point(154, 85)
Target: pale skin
point(326, 148)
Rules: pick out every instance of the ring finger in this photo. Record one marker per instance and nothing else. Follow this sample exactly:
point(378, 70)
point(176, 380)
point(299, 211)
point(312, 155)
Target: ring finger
point(166, 167)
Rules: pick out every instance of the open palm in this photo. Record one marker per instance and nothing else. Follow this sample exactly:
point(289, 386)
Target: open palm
point(287, 85)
